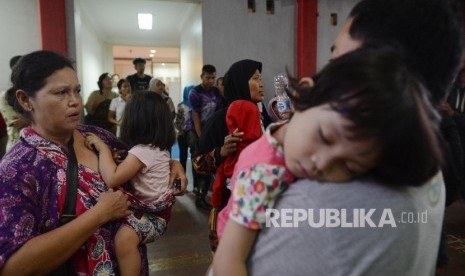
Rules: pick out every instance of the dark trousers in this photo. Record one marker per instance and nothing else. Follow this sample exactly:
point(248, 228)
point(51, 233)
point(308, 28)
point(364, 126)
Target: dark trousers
point(183, 147)
point(201, 182)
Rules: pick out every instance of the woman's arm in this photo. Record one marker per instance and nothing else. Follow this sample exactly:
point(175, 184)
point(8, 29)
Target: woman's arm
point(42, 254)
point(112, 117)
point(208, 162)
point(233, 250)
point(113, 175)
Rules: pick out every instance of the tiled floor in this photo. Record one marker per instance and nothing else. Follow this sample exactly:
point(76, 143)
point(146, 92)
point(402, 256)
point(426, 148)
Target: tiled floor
point(183, 250)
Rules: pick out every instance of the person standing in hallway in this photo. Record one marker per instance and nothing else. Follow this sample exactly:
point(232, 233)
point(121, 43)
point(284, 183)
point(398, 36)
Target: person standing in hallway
point(98, 104)
point(204, 100)
point(157, 86)
point(13, 120)
point(182, 116)
point(408, 249)
point(117, 105)
point(139, 81)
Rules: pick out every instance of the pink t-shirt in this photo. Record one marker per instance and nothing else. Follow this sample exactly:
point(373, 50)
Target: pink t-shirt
point(151, 183)
point(260, 175)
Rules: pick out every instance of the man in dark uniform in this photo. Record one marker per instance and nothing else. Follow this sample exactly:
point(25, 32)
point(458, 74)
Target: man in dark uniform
point(139, 81)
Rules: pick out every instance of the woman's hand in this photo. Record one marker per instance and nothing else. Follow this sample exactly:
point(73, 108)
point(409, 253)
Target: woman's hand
point(113, 205)
point(94, 142)
point(230, 143)
point(177, 173)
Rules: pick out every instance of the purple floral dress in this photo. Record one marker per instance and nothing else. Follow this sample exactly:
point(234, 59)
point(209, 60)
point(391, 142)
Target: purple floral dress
point(32, 185)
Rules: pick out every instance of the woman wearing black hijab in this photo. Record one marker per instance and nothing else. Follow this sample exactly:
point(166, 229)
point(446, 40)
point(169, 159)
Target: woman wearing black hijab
point(216, 143)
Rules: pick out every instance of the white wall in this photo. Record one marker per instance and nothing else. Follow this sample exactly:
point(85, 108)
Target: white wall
point(191, 58)
point(231, 34)
point(93, 55)
point(19, 33)
point(326, 32)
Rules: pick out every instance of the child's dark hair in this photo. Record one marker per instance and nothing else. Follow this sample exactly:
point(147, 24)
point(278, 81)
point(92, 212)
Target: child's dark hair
point(374, 89)
point(147, 120)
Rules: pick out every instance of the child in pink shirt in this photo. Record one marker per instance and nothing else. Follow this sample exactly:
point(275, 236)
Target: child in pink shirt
point(146, 127)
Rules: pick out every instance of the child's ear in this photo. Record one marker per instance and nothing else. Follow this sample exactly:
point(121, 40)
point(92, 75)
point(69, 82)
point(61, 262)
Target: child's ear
point(306, 81)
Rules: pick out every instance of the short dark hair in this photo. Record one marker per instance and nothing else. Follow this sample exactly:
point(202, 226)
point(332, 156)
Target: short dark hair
point(208, 69)
point(374, 89)
point(31, 72)
point(13, 61)
point(100, 80)
point(428, 31)
point(147, 120)
point(138, 61)
point(120, 83)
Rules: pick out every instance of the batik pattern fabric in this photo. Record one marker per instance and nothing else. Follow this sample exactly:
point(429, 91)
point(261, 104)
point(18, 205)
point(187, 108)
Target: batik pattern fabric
point(32, 195)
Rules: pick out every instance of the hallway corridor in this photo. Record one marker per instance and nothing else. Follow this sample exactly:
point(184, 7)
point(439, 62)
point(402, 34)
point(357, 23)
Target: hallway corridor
point(183, 250)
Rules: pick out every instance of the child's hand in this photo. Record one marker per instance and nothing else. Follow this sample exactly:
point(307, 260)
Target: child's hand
point(94, 142)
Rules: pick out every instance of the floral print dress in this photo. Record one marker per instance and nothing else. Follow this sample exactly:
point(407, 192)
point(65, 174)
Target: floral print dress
point(32, 194)
point(260, 176)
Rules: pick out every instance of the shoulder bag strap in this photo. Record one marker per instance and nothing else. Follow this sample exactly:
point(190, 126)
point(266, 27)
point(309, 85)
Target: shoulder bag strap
point(69, 208)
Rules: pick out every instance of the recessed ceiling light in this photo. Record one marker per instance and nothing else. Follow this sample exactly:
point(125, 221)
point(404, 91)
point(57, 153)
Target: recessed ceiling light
point(153, 51)
point(162, 64)
point(151, 55)
point(145, 21)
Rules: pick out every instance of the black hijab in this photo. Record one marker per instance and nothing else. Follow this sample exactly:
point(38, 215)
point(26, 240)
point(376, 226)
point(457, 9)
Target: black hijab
point(236, 80)
point(236, 87)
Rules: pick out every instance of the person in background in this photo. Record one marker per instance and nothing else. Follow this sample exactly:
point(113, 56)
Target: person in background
point(139, 81)
point(220, 85)
point(117, 105)
point(204, 100)
point(409, 248)
point(148, 129)
point(98, 104)
point(115, 78)
point(33, 182)
point(242, 78)
point(157, 86)
point(182, 116)
point(13, 120)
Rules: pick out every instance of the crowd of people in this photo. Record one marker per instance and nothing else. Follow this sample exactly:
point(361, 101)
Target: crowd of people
point(378, 128)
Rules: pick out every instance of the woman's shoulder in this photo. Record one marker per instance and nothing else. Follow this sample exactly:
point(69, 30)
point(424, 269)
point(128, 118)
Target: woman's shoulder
point(22, 160)
point(103, 134)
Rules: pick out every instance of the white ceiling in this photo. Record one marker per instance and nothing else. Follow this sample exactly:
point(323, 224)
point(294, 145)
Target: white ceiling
point(116, 22)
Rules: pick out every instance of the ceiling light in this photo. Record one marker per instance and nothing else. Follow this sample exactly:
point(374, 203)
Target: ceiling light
point(153, 51)
point(145, 21)
point(151, 55)
point(162, 64)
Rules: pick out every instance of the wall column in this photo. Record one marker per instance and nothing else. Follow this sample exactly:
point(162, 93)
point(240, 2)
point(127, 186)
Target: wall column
point(307, 12)
point(52, 17)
